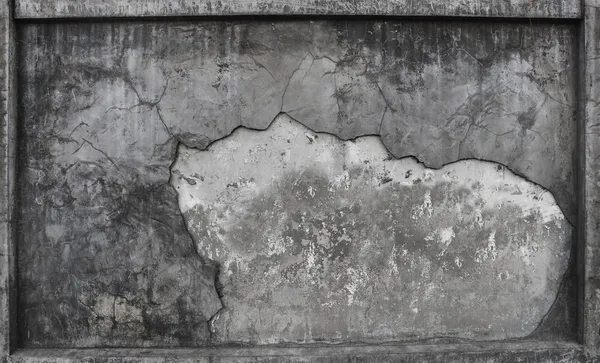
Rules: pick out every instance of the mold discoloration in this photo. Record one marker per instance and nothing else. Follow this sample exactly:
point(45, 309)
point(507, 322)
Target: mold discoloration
point(106, 257)
point(335, 243)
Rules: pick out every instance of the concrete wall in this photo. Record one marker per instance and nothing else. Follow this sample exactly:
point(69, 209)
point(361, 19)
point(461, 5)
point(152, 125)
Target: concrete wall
point(202, 182)
point(107, 260)
point(324, 240)
point(37, 9)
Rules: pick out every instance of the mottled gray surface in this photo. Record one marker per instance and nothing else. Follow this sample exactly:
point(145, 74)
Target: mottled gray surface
point(103, 247)
point(123, 8)
point(7, 182)
point(590, 218)
point(106, 259)
point(500, 352)
point(327, 240)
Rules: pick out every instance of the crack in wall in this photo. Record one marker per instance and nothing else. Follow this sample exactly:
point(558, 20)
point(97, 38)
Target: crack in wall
point(144, 72)
point(196, 249)
point(202, 255)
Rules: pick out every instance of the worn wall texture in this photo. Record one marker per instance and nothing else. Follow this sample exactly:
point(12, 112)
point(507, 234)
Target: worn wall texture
point(590, 221)
point(7, 181)
point(325, 240)
point(105, 258)
point(548, 352)
point(129, 8)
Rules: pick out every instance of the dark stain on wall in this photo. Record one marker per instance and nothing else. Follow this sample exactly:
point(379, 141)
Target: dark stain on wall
point(104, 254)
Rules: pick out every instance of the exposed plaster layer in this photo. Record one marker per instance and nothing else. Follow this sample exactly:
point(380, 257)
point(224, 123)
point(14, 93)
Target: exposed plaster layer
point(104, 105)
point(132, 8)
point(324, 240)
point(432, 90)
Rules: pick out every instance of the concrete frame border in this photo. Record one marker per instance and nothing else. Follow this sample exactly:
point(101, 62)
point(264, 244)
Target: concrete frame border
point(585, 12)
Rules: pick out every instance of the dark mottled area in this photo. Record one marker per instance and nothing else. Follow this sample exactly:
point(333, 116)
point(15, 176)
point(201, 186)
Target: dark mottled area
point(109, 264)
point(589, 221)
point(104, 255)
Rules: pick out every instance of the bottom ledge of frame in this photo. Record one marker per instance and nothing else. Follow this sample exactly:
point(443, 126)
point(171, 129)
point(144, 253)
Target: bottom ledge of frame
point(496, 352)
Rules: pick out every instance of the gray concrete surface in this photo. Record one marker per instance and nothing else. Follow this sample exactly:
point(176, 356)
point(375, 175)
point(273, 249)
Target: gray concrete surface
point(105, 258)
point(321, 239)
point(133, 8)
point(500, 352)
point(590, 200)
point(7, 181)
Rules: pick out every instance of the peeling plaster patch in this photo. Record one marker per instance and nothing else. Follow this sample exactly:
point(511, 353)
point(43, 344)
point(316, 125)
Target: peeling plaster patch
point(103, 115)
point(337, 241)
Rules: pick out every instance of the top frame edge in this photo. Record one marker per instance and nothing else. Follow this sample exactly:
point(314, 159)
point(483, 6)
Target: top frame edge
point(49, 9)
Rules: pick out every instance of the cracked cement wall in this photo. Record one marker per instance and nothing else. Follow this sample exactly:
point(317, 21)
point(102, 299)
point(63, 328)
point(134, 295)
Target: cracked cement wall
point(105, 256)
point(324, 240)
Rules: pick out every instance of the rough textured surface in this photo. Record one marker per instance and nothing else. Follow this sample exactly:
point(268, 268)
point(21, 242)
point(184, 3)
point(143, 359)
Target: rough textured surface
point(104, 105)
point(324, 240)
point(529, 352)
point(106, 259)
point(590, 216)
point(129, 8)
point(7, 181)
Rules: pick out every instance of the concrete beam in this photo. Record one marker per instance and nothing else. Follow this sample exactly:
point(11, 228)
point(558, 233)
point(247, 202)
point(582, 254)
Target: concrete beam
point(7, 177)
point(497, 352)
point(590, 199)
point(40, 9)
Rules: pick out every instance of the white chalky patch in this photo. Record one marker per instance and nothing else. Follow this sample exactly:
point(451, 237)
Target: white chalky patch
point(320, 238)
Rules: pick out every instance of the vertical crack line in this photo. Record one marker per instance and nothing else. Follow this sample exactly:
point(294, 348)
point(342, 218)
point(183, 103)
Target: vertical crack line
point(290, 80)
point(561, 280)
point(205, 261)
point(219, 289)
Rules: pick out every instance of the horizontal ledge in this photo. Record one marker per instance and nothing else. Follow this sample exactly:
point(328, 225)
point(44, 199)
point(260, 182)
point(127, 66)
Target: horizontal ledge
point(48, 9)
point(430, 349)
